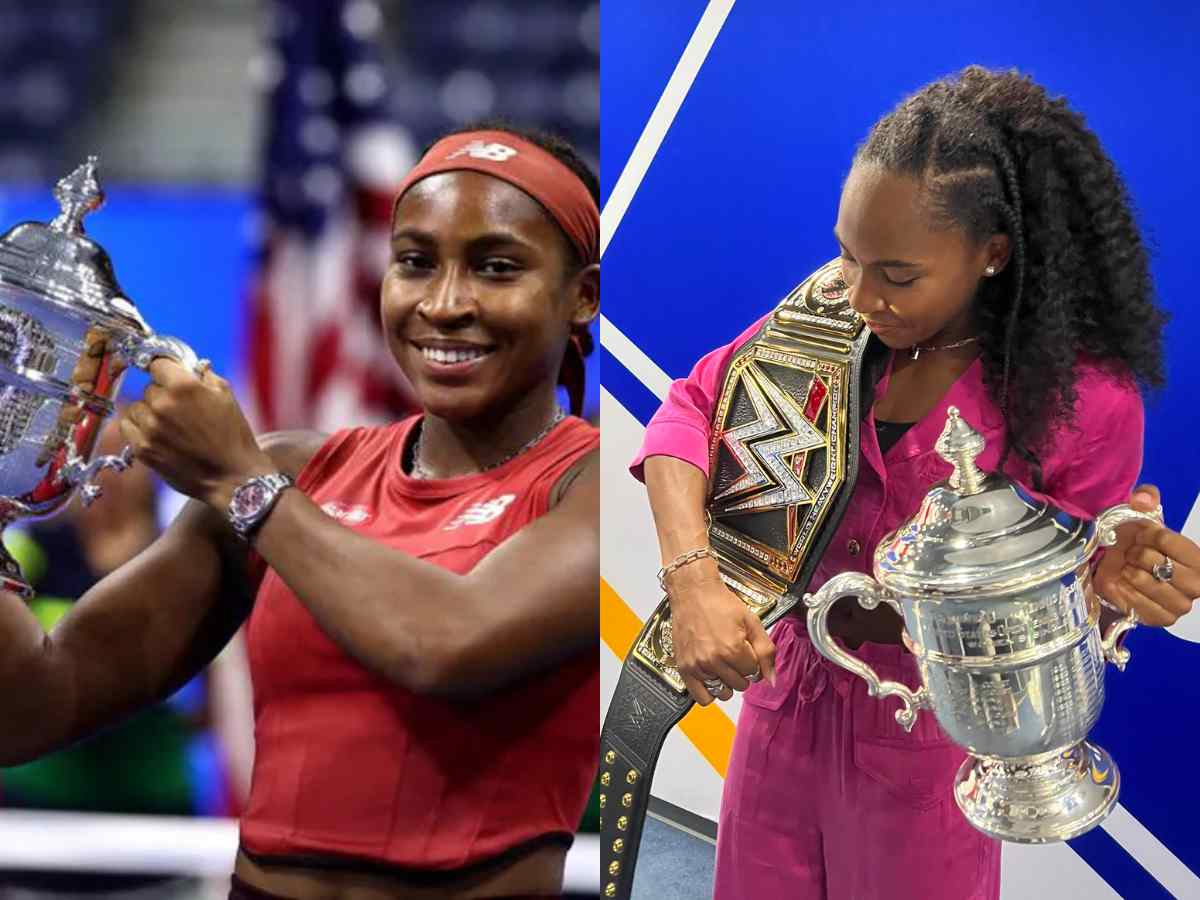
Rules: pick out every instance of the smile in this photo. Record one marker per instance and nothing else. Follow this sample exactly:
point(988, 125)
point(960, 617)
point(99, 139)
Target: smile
point(459, 357)
point(452, 357)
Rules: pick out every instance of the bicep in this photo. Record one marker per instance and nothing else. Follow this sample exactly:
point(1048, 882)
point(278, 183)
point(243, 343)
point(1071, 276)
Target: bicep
point(536, 596)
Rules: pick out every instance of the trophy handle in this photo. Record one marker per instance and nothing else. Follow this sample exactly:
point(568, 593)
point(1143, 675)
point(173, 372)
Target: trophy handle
point(1107, 523)
point(139, 350)
point(869, 593)
point(85, 475)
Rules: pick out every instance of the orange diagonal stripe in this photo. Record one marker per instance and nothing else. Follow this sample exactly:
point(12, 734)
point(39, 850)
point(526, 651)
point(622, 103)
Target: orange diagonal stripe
point(705, 726)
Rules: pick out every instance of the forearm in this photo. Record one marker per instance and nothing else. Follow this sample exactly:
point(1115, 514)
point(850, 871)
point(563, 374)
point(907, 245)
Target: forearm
point(399, 616)
point(135, 637)
point(34, 695)
point(677, 491)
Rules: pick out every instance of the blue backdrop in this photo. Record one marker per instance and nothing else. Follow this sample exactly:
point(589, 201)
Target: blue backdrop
point(740, 200)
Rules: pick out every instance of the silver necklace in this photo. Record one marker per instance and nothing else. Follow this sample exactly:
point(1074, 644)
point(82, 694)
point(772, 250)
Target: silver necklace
point(419, 470)
point(917, 351)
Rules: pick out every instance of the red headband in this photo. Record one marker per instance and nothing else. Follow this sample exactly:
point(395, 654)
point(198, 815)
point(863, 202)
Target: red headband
point(524, 165)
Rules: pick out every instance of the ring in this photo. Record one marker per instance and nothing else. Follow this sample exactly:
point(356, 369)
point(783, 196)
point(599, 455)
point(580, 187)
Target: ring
point(755, 678)
point(713, 685)
point(202, 366)
point(1164, 570)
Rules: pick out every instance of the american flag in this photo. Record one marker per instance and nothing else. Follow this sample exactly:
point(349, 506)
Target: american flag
point(331, 163)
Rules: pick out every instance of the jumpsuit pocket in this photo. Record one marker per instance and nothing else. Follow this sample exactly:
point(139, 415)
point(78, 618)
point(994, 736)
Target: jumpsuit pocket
point(919, 775)
point(918, 767)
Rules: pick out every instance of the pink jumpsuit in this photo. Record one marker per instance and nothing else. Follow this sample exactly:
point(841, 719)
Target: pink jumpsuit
point(826, 797)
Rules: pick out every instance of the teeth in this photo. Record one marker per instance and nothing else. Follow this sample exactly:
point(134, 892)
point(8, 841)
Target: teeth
point(439, 355)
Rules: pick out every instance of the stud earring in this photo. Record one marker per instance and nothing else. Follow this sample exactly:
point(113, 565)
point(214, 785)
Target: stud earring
point(989, 271)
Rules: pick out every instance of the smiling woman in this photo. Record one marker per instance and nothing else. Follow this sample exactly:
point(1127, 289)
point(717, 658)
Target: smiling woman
point(425, 685)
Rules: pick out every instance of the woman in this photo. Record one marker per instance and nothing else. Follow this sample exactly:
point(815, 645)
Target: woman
point(425, 685)
point(987, 241)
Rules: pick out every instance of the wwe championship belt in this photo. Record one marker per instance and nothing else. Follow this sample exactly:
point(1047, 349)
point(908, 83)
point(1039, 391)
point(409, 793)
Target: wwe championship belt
point(783, 461)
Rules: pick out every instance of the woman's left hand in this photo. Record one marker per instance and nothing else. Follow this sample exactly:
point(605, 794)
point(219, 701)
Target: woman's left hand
point(1126, 575)
point(191, 431)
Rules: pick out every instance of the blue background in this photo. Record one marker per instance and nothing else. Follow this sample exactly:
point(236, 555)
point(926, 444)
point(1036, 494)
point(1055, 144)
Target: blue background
point(180, 254)
point(739, 204)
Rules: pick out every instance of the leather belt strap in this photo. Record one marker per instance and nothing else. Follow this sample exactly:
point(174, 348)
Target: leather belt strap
point(783, 462)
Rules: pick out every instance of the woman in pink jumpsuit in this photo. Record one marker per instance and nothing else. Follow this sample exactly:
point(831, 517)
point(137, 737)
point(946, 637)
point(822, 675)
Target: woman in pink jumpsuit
point(986, 240)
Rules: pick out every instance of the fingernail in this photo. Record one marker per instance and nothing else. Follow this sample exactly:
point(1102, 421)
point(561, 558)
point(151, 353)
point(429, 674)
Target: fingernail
point(1143, 497)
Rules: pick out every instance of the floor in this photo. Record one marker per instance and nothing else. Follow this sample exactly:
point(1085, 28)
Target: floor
point(673, 864)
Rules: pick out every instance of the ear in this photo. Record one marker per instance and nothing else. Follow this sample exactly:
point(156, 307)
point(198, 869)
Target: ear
point(997, 252)
point(584, 293)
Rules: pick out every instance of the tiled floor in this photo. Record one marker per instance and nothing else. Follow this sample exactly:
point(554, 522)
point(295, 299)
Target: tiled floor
point(672, 865)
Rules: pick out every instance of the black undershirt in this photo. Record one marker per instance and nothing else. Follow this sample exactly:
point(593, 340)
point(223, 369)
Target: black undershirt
point(889, 433)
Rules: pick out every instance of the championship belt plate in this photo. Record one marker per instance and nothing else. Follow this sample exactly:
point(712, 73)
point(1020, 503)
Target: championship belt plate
point(783, 461)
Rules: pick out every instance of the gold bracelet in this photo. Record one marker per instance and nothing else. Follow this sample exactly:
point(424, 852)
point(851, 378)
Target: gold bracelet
point(680, 561)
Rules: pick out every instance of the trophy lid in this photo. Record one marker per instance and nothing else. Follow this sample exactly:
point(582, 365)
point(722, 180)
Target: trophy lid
point(979, 532)
point(60, 262)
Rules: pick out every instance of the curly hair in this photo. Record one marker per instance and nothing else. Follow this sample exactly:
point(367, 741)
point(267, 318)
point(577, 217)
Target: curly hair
point(996, 154)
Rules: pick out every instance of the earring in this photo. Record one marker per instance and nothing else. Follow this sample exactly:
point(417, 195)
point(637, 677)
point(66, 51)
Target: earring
point(989, 271)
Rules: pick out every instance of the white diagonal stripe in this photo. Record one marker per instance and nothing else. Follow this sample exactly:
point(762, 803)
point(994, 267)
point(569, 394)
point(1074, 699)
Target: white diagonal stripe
point(630, 355)
point(660, 120)
point(642, 367)
point(1167, 869)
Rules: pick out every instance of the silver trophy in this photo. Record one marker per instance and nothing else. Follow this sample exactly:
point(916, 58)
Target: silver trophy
point(995, 589)
point(67, 335)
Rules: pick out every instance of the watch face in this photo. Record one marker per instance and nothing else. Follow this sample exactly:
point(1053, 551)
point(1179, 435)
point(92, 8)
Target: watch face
point(248, 499)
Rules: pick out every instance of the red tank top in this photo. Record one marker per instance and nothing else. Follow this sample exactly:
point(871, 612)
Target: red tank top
point(348, 764)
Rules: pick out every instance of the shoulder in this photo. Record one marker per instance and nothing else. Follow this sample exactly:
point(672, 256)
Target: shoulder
point(581, 477)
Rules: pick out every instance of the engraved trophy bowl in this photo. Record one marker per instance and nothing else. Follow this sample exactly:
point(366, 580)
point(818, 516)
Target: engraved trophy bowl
point(994, 586)
point(67, 335)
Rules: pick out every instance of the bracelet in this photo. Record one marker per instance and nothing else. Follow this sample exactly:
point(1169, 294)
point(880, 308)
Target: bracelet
point(680, 561)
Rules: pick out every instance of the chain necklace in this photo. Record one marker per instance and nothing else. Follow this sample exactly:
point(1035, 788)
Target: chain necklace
point(419, 470)
point(917, 351)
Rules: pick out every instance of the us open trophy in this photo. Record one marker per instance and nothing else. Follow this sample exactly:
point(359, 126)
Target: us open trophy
point(67, 335)
point(994, 588)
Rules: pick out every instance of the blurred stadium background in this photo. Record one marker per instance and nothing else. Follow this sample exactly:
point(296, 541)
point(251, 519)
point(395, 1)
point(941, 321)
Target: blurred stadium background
point(249, 150)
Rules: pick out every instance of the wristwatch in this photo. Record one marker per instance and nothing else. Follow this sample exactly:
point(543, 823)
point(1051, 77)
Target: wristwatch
point(252, 501)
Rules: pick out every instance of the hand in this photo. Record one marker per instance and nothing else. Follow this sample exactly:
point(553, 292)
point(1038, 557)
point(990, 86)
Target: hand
point(191, 431)
point(715, 635)
point(1125, 575)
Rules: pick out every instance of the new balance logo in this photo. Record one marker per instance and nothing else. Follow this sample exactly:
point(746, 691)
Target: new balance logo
point(479, 150)
point(351, 515)
point(482, 513)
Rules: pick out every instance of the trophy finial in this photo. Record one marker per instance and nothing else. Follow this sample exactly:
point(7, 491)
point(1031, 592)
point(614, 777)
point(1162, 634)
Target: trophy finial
point(78, 194)
point(958, 445)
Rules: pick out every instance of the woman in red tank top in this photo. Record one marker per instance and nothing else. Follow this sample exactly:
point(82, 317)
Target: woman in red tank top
point(422, 597)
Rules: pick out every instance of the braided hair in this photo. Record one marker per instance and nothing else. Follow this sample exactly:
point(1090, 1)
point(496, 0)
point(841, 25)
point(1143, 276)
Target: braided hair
point(996, 154)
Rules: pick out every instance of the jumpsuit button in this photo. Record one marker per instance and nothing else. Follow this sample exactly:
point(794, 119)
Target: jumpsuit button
point(853, 547)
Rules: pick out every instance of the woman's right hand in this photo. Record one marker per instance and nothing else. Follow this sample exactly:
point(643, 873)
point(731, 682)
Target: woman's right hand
point(715, 635)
